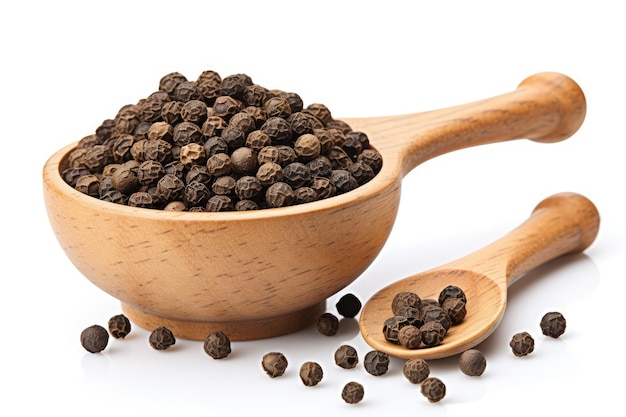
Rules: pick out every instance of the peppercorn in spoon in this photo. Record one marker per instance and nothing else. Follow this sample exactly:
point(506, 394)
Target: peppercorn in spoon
point(562, 224)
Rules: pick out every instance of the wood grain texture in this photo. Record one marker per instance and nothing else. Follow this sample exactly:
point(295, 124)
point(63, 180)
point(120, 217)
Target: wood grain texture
point(562, 224)
point(237, 267)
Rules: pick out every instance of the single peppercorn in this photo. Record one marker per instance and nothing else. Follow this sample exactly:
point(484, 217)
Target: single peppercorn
point(274, 364)
point(472, 362)
point(346, 357)
point(94, 338)
point(438, 314)
point(119, 326)
point(412, 314)
point(162, 338)
point(279, 194)
point(410, 337)
point(392, 326)
point(432, 333)
point(433, 389)
point(553, 324)
point(217, 345)
point(311, 373)
point(376, 362)
point(455, 309)
point(405, 299)
point(327, 324)
point(416, 370)
point(451, 291)
point(522, 344)
point(352, 393)
point(348, 306)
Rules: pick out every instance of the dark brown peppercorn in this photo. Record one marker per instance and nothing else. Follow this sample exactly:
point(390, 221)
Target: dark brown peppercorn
point(274, 364)
point(297, 175)
point(352, 393)
point(248, 187)
point(346, 357)
point(186, 91)
point(254, 95)
point(196, 194)
point(405, 299)
point(215, 145)
point(226, 106)
point(277, 107)
point(125, 180)
point(376, 362)
point(246, 205)
point(311, 373)
point(219, 164)
point(410, 337)
point(432, 333)
point(170, 188)
point(392, 326)
point(522, 344)
point(121, 148)
point(339, 159)
point(372, 158)
point(235, 85)
point(416, 370)
point(320, 111)
point(343, 180)
point(348, 306)
point(89, 184)
point(169, 82)
point(305, 195)
point(194, 111)
point(436, 313)
point(94, 338)
point(158, 150)
point(119, 326)
point(412, 314)
point(234, 138)
point(161, 130)
point(327, 324)
point(455, 308)
point(185, 133)
point(433, 389)
point(141, 199)
point(472, 362)
point(451, 291)
point(307, 147)
point(279, 194)
point(171, 112)
point(243, 161)
point(278, 130)
point(243, 121)
point(219, 203)
point(320, 167)
point(217, 345)
point(269, 173)
point(553, 324)
point(257, 140)
point(361, 172)
point(224, 185)
point(162, 338)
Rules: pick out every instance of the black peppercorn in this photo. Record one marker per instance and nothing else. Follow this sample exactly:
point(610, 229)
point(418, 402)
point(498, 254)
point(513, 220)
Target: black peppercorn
point(343, 180)
point(455, 308)
point(149, 172)
point(412, 314)
point(410, 337)
point(405, 299)
point(522, 344)
point(213, 126)
point(296, 174)
point(243, 161)
point(320, 167)
point(376, 362)
point(245, 205)
point(217, 345)
point(192, 154)
point(416, 370)
point(196, 194)
point(125, 180)
point(248, 187)
point(392, 326)
point(352, 392)
point(169, 82)
point(224, 185)
point(170, 188)
point(279, 194)
point(348, 306)
point(472, 362)
point(226, 106)
point(141, 199)
point(451, 291)
point(119, 326)
point(218, 164)
point(269, 173)
point(346, 357)
point(553, 324)
point(327, 324)
point(161, 338)
point(89, 184)
point(305, 195)
point(278, 130)
point(161, 130)
point(311, 373)
point(219, 203)
point(323, 187)
point(171, 112)
point(274, 364)
point(94, 338)
point(185, 133)
point(433, 389)
point(432, 333)
point(438, 314)
point(194, 111)
point(307, 147)
point(186, 91)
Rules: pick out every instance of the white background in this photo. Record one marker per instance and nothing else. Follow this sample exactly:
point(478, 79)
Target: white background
point(68, 66)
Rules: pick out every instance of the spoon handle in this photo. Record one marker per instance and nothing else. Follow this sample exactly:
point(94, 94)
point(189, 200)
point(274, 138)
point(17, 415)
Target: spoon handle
point(563, 223)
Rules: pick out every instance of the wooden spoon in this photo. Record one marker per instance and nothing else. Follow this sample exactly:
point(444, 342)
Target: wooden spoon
point(561, 224)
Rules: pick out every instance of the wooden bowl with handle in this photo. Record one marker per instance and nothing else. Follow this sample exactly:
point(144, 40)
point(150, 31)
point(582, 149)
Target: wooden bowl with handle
point(265, 273)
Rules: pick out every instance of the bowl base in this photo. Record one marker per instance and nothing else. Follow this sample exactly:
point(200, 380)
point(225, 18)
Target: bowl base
point(235, 330)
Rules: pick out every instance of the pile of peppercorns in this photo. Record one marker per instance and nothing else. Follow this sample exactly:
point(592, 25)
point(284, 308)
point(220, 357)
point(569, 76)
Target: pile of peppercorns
point(417, 371)
point(220, 144)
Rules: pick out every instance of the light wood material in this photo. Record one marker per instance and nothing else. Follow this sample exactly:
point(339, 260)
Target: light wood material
point(562, 224)
point(206, 271)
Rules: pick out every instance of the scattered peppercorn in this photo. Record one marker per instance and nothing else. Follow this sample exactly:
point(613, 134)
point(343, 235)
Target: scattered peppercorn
point(348, 306)
point(522, 344)
point(162, 338)
point(346, 357)
point(327, 324)
point(416, 370)
point(433, 389)
point(311, 373)
point(191, 122)
point(217, 345)
point(274, 364)
point(352, 392)
point(553, 324)
point(472, 362)
point(94, 338)
point(119, 326)
point(376, 362)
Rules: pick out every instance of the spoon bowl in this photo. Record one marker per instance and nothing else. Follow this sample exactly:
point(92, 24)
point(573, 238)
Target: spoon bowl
point(561, 224)
point(264, 273)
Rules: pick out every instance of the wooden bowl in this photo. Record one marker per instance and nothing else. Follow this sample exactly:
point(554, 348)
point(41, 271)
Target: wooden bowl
point(269, 272)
